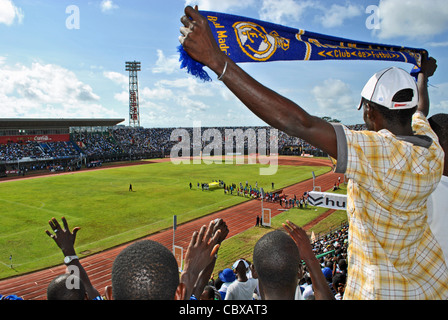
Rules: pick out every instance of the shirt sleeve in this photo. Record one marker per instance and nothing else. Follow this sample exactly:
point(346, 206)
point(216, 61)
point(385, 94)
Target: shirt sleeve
point(341, 163)
point(421, 126)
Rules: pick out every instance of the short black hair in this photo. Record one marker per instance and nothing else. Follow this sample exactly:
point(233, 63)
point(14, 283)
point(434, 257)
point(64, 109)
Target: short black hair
point(145, 270)
point(276, 259)
point(339, 278)
point(58, 288)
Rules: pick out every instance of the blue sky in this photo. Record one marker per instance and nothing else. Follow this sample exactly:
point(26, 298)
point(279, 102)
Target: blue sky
point(48, 69)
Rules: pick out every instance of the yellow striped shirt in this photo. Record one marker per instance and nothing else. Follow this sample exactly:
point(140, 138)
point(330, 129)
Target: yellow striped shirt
point(392, 252)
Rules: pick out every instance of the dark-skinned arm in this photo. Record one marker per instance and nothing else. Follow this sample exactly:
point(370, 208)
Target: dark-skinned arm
point(320, 286)
point(65, 240)
point(205, 275)
point(428, 68)
point(200, 254)
point(276, 110)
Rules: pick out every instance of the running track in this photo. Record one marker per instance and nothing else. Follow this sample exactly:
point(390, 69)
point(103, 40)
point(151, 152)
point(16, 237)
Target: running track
point(98, 266)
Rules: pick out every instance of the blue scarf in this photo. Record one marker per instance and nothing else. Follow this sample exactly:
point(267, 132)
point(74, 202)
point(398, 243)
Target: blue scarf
point(249, 40)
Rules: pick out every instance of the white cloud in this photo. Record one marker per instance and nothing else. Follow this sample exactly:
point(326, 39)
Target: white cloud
point(47, 90)
point(117, 77)
point(188, 86)
point(158, 93)
point(333, 95)
point(166, 65)
point(437, 44)
point(412, 18)
point(122, 97)
point(108, 5)
point(278, 10)
point(9, 12)
point(337, 14)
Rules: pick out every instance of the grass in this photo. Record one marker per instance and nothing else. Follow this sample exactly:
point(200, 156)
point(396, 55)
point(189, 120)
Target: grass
point(99, 202)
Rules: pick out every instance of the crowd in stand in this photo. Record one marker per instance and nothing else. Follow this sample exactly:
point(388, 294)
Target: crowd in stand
point(134, 141)
point(15, 151)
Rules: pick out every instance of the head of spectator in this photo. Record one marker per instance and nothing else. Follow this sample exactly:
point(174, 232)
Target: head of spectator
point(338, 283)
point(227, 275)
point(386, 104)
point(276, 261)
point(145, 270)
point(439, 124)
point(342, 264)
point(328, 274)
point(208, 293)
point(240, 268)
point(66, 287)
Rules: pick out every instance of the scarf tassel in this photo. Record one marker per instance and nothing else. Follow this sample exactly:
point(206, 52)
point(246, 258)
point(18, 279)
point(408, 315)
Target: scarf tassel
point(193, 67)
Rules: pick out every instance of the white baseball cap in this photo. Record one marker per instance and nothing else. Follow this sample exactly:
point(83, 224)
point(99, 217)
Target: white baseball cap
point(383, 85)
point(238, 261)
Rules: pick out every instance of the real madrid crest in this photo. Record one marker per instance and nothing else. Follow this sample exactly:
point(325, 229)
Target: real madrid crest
point(256, 42)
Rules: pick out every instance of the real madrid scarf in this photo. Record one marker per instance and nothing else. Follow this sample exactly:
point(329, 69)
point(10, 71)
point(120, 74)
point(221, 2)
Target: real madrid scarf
point(249, 40)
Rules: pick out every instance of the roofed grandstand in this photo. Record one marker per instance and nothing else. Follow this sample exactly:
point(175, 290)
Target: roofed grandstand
point(68, 144)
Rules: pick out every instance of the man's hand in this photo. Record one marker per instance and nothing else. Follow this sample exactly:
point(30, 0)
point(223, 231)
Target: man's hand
point(301, 239)
point(63, 237)
point(200, 253)
point(429, 66)
point(198, 41)
point(219, 224)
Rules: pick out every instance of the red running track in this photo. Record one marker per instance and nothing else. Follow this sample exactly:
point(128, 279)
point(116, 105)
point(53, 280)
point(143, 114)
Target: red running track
point(98, 266)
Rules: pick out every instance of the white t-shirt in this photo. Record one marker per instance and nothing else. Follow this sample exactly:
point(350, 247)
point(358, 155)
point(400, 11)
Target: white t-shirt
point(438, 215)
point(241, 290)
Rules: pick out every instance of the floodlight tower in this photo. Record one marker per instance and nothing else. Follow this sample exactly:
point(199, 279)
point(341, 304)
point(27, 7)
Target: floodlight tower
point(134, 113)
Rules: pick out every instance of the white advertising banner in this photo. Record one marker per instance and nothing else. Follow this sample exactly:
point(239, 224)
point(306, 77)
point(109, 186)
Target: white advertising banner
point(327, 200)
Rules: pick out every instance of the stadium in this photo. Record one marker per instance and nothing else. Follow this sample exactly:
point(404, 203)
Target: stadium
point(95, 160)
point(170, 184)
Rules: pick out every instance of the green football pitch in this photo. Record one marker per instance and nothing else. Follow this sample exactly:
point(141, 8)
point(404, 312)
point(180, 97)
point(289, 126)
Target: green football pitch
point(99, 201)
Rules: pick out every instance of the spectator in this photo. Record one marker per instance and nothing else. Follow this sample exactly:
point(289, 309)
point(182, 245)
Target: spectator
point(391, 169)
point(338, 283)
point(438, 201)
point(65, 240)
point(227, 277)
point(153, 273)
point(308, 287)
point(210, 293)
point(277, 262)
point(242, 288)
point(342, 265)
point(58, 289)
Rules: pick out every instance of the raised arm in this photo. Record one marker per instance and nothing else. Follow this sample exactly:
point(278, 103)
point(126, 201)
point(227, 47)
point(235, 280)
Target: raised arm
point(320, 286)
point(276, 110)
point(205, 275)
point(200, 254)
point(428, 68)
point(65, 240)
